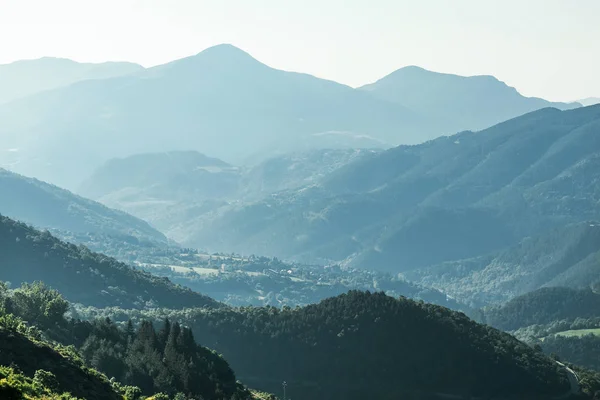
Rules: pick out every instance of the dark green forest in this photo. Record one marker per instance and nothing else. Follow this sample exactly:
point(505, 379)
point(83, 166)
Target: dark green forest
point(366, 345)
point(140, 360)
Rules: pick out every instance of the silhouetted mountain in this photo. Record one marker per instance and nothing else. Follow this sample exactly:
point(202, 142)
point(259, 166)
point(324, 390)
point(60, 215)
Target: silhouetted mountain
point(451, 198)
point(27, 77)
point(221, 101)
point(462, 103)
point(567, 256)
point(28, 255)
point(49, 207)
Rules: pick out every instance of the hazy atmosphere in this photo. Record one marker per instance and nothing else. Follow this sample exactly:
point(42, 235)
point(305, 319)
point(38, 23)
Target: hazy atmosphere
point(316, 200)
point(544, 48)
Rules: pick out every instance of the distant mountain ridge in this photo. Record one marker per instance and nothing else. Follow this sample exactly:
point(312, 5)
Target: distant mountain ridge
point(461, 102)
point(590, 101)
point(221, 101)
point(49, 207)
point(27, 77)
point(463, 196)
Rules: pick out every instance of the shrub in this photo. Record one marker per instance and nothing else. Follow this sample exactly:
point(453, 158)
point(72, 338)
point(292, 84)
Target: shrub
point(45, 379)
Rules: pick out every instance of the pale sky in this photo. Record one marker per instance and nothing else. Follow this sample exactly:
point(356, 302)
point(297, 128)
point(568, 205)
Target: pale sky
point(544, 48)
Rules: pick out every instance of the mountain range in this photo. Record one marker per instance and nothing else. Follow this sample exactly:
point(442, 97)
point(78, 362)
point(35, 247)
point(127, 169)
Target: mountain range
point(460, 102)
point(319, 209)
point(508, 210)
point(28, 77)
point(464, 196)
point(590, 101)
point(224, 103)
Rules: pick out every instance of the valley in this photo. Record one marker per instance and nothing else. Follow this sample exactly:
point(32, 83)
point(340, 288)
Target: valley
point(388, 202)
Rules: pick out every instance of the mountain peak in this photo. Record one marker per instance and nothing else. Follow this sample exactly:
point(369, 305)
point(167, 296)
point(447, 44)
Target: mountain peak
point(226, 53)
point(414, 68)
point(414, 71)
point(223, 48)
point(220, 57)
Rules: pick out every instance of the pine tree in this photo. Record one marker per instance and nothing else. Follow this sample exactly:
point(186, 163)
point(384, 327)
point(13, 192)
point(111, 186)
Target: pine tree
point(129, 330)
point(163, 335)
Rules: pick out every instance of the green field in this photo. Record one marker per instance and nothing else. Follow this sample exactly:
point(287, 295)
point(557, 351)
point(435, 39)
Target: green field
point(579, 332)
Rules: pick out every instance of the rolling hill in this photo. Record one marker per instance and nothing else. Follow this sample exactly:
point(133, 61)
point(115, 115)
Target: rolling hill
point(167, 189)
point(49, 207)
point(368, 345)
point(28, 255)
point(28, 77)
point(179, 174)
point(461, 102)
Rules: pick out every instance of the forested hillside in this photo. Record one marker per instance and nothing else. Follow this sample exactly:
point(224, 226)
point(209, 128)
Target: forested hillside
point(40, 372)
point(43, 354)
point(368, 345)
point(47, 206)
point(314, 349)
point(566, 256)
point(544, 306)
point(28, 255)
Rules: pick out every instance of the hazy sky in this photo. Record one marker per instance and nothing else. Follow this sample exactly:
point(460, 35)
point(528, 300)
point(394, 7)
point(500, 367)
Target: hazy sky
point(545, 48)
